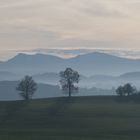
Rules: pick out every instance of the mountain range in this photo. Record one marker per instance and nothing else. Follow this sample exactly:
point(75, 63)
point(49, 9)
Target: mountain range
point(87, 64)
point(96, 69)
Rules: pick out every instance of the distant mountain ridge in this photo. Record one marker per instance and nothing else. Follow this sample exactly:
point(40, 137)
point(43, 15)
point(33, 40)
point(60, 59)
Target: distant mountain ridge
point(99, 81)
point(131, 75)
point(88, 64)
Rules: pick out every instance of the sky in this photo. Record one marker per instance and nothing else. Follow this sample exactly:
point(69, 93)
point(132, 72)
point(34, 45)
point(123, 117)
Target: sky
point(69, 24)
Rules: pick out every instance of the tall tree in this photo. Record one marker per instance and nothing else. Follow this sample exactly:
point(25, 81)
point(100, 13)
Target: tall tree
point(120, 91)
point(128, 89)
point(69, 78)
point(27, 87)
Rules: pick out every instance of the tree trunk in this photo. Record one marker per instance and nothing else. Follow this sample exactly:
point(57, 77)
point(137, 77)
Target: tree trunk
point(27, 96)
point(128, 93)
point(69, 91)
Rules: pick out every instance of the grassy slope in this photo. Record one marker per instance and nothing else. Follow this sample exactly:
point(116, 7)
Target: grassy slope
point(81, 118)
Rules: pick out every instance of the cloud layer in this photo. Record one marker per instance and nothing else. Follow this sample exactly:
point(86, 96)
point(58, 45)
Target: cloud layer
point(107, 24)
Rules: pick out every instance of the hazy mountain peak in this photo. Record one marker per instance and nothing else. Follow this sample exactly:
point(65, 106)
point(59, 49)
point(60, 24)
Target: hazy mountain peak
point(97, 54)
point(37, 56)
point(131, 75)
point(21, 55)
point(87, 64)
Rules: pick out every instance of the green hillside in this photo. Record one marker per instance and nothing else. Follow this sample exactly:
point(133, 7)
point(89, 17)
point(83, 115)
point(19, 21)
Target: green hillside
point(78, 118)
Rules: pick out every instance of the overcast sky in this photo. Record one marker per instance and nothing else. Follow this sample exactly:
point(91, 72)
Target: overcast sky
point(105, 24)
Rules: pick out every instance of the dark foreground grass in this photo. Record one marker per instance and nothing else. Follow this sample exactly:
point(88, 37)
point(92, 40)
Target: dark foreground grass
point(78, 118)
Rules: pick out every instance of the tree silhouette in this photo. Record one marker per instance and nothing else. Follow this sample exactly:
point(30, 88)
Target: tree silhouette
point(128, 89)
point(27, 87)
point(120, 91)
point(69, 78)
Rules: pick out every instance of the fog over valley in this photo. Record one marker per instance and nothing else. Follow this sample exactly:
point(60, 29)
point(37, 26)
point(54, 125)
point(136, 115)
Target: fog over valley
point(100, 73)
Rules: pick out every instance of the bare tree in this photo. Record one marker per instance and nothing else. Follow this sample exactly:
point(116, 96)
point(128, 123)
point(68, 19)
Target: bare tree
point(27, 87)
point(69, 78)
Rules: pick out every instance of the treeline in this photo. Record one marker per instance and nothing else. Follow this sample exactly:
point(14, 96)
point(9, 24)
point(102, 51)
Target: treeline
point(128, 92)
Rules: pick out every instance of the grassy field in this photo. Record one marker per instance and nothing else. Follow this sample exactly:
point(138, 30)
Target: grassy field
point(78, 118)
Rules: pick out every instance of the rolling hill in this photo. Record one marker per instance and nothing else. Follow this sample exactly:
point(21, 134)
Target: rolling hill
point(131, 75)
point(78, 118)
point(98, 81)
point(8, 91)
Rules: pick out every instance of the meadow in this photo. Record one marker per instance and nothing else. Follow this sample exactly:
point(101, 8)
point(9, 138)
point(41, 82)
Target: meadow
point(77, 118)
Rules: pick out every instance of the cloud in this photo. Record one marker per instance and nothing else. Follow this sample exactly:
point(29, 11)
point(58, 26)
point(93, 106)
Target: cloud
point(69, 24)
